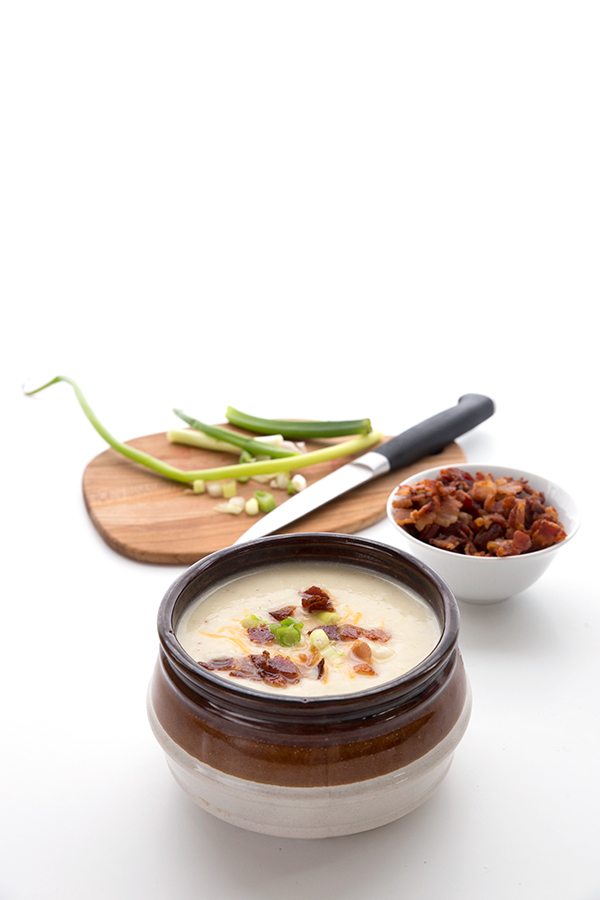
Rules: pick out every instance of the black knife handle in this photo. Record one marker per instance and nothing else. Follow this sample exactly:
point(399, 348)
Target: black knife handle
point(435, 433)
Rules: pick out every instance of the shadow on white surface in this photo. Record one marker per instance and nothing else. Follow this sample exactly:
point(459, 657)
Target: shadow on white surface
point(514, 626)
point(254, 865)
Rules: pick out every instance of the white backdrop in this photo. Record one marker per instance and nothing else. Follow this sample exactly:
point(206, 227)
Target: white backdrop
point(324, 210)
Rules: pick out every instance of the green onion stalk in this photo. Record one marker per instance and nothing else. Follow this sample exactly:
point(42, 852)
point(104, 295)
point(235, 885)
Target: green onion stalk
point(292, 463)
point(264, 467)
point(257, 448)
point(199, 440)
point(297, 430)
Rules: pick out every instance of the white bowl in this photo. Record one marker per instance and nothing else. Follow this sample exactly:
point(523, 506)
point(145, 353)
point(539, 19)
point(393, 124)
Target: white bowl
point(488, 579)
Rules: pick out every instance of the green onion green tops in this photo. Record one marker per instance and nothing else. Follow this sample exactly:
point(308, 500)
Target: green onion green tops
point(287, 632)
point(297, 430)
point(283, 460)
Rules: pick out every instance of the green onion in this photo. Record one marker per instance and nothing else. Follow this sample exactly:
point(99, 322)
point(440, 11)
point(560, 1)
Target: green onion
point(138, 456)
point(297, 430)
point(287, 637)
point(333, 655)
point(198, 439)
point(287, 632)
point(275, 439)
point(251, 507)
point(198, 486)
point(319, 639)
point(229, 489)
point(328, 618)
point(266, 501)
point(297, 483)
point(263, 467)
point(289, 620)
point(238, 440)
point(234, 509)
point(245, 457)
point(252, 621)
point(302, 461)
point(195, 438)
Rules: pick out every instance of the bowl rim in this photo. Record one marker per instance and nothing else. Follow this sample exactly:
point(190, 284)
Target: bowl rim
point(492, 469)
point(418, 675)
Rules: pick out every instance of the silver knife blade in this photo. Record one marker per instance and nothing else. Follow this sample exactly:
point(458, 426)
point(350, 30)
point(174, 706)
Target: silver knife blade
point(369, 465)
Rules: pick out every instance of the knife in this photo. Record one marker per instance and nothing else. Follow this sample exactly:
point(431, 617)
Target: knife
point(424, 439)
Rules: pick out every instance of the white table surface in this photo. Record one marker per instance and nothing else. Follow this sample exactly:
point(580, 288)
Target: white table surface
point(326, 210)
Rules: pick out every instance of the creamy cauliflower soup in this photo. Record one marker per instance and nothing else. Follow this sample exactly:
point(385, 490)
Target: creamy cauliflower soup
point(309, 629)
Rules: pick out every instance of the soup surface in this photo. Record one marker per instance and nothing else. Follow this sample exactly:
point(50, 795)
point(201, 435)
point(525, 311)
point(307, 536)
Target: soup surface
point(309, 629)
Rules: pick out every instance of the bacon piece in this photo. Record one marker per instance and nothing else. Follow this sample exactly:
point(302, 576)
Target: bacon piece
point(482, 538)
point(376, 634)
point(509, 486)
point(315, 599)
point(451, 542)
point(551, 513)
point(490, 519)
point(320, 669)
point(471, 550)
point(425, 516)
point(535, 508)
point(466, 501)
point(429, 533)
point(500, 548)
point(276, 670)
point(447, 513)
point(260, 634)
point(221, 662)
point(457, 478)
point(545, 533)
point(243, 667)
point(477, 516)
point(516, 517)
point(364, 669)
point(283, 613)
point(404, 517)
point(354, 632)
point(334, 632)
point(484, 489)
point(403, 497)
point(519, 543)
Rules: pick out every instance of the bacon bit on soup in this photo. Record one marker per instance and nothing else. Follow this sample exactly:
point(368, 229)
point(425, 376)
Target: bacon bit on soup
point(278, 671)
point(354, 632)
point(284, 613)
point(221, 662)
point(364, 669)
point(320, 668)
point(315, 599)
point(260, 634)
point(477, 515)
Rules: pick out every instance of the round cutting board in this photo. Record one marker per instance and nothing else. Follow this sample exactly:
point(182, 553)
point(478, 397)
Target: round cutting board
point(150, 519)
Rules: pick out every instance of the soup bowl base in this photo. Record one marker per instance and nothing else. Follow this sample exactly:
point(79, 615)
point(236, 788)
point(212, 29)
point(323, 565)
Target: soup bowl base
point(311, 812)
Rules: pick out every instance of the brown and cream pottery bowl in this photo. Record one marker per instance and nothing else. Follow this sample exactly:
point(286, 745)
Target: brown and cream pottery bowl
point(309, 766)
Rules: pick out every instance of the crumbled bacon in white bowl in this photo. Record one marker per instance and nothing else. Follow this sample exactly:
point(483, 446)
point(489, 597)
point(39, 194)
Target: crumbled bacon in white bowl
point(478, 515)
point(489, 531)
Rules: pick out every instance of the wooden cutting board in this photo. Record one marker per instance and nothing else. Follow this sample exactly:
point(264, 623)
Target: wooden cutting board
point(150, 519)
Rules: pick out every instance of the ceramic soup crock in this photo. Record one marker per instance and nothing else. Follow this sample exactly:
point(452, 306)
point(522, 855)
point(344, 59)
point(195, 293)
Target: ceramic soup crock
point(312, 767)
